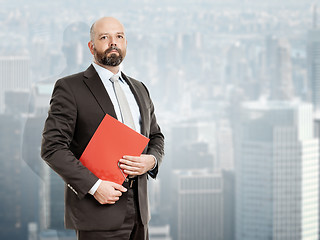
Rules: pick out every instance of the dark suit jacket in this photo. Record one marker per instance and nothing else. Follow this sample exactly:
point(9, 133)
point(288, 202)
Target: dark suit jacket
point(79, 103)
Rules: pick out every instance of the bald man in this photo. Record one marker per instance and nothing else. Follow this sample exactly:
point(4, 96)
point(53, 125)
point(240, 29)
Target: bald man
point(95, 208)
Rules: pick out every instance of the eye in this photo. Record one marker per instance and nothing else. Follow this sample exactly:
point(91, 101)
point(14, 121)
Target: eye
point(103, 37)
point(120, 36)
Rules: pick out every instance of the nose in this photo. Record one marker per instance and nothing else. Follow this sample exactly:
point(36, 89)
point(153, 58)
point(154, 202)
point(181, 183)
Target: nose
point(113, 42)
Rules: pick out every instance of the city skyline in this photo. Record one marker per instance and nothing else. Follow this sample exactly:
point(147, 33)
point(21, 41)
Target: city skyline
point(204, 62)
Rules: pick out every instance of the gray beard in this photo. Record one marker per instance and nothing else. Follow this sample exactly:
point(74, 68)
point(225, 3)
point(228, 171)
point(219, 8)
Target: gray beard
point(113, 60)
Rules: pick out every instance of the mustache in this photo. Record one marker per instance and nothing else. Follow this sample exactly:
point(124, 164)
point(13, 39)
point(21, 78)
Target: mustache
point(111, 49)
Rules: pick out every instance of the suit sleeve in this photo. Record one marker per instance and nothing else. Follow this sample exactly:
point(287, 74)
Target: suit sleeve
point(156, 143)
point(56, 138)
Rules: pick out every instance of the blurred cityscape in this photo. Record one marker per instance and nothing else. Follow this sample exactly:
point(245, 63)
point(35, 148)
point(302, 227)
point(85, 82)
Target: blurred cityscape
point(236, 86)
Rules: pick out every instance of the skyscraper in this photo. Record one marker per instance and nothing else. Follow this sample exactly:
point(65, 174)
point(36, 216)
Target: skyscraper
point(313, 62)
point(277, 172)
point(11, 192)
point(204, 209)
point(279, 68)
point(159, 232)
point(14, 75)
point(51, 190)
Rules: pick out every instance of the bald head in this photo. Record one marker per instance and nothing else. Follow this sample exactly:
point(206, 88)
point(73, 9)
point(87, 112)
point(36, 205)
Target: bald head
point(105, 22)
point(108, 43)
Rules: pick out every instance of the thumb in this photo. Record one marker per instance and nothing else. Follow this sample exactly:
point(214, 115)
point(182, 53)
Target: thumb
point(119, 187)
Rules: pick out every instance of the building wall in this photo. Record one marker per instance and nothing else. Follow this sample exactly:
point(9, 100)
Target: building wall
point(277, 173)
point(14, 75)
point(202, 206)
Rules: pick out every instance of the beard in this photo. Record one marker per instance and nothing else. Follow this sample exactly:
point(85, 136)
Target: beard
point(112, 60)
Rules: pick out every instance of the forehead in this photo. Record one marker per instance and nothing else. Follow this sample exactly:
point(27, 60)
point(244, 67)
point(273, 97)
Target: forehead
point(108, 26)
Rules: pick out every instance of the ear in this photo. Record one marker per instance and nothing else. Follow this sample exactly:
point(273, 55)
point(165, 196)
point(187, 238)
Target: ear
point(91, 46)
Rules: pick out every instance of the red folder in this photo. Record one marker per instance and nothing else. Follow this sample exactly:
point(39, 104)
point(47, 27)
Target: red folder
point(110, 142)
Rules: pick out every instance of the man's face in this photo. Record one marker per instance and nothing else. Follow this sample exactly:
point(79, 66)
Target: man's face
point(112, 56)
point(109, 43)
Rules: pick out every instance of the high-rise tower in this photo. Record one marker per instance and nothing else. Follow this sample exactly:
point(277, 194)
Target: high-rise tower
point(204, 206)
point(14, 75)
point(277, 172)
point(313, 62)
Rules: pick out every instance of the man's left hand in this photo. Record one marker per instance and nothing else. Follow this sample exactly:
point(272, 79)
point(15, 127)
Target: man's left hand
point(133, 166)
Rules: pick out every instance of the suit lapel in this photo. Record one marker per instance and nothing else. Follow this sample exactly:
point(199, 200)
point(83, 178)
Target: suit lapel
point(95, 85)
point(138, 96)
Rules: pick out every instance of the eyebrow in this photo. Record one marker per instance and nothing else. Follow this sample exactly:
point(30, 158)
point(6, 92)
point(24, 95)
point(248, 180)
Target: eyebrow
point(101, 34)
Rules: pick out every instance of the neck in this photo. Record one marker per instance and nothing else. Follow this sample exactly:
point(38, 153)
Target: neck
point(113, 69)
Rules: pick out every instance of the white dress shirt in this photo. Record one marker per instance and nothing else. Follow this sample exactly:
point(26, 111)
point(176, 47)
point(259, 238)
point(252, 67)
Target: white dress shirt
point(105, 76)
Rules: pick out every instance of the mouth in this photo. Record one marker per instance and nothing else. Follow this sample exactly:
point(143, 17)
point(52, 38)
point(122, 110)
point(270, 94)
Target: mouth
point(112, 50)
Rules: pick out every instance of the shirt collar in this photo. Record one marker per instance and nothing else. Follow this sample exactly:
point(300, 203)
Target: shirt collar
point(104, 73)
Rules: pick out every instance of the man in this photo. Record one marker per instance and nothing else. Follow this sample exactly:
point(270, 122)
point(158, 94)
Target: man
point(99, 209)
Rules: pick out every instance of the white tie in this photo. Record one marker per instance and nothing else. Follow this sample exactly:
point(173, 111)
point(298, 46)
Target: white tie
point(123, 103)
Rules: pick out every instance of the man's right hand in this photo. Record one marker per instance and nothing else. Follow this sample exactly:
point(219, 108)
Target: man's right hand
point(108, 192)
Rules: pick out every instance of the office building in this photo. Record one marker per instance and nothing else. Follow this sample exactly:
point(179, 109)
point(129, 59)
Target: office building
point(14, 75)
point(11, 189)
point(279, 68)
point(313, 63)
point(277, 172)
point(51, 186)
point(159, 232)
point(203, 206)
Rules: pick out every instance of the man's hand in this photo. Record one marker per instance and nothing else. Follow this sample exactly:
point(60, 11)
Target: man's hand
point(137, 165)
point(108, 192)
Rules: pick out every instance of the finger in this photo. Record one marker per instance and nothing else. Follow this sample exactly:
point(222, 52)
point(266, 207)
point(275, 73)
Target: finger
point(129, 168)
point(133, 173)
point(118, 194)
point(105, 201)
point(129, 162)
point(114, 199)
point(131, 158)
point(119, 187)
